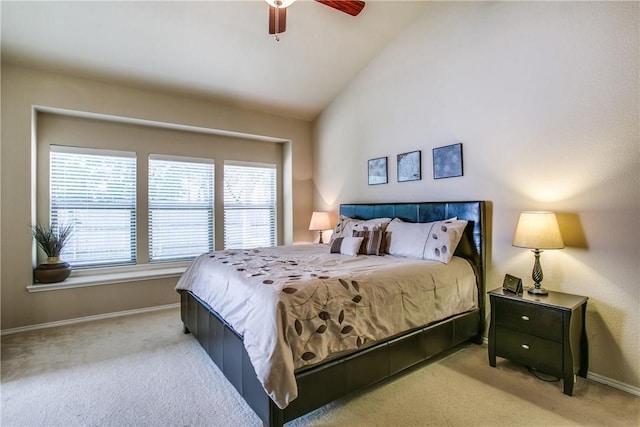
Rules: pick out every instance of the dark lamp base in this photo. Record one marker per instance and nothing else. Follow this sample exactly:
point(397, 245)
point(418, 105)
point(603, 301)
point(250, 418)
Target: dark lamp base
point(537, 291)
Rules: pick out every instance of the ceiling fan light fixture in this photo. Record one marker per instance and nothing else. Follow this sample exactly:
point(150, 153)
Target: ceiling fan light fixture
point(278, 12)
point(280, 3)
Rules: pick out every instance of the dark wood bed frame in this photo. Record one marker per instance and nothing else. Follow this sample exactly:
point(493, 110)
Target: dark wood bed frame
point(328, 381)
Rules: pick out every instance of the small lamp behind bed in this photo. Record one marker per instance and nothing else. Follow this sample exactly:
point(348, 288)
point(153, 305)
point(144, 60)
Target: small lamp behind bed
point(320, 222)
point(536, 231)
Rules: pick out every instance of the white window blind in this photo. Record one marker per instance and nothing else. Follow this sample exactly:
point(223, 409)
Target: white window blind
point(181, 216)
point(250, 196)
point(95, 192)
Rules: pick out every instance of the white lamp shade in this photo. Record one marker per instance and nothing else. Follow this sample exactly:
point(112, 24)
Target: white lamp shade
point(538, 230)
point(280, 3)
point(320, 221)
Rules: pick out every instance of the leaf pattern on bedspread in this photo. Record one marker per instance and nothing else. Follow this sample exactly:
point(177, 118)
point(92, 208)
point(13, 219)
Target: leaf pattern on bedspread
point(296, 307)
point(321, 308)
point(324, 319)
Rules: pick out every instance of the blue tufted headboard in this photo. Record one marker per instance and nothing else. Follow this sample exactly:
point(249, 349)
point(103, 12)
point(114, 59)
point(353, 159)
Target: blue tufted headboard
point(472, 244)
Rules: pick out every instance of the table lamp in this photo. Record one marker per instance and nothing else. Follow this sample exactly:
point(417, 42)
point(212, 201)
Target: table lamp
point(320, 222)
point(536, 231)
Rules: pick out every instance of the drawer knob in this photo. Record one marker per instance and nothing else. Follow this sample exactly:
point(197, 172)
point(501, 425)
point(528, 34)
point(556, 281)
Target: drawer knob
point(526, 318)
point(525, 346)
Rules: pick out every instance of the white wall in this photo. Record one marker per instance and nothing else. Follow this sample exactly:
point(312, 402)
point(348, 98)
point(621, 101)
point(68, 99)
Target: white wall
point(21, 90)
point(544, 97)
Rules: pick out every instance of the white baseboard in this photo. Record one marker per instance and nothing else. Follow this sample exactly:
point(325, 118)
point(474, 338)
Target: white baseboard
point(614, 383)
point(88, 319)
point(601, 379)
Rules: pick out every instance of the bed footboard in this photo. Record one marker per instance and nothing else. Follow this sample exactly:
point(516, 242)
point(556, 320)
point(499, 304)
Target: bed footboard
point(328, 381)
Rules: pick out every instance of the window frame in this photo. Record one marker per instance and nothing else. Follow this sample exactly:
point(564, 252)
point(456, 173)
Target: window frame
point(80, 129)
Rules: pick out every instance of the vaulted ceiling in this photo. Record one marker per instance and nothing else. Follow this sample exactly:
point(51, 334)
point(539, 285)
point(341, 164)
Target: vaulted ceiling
point(209, 49)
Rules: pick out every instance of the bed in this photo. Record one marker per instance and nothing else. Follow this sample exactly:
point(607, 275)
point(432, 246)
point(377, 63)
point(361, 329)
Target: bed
point(361, 359)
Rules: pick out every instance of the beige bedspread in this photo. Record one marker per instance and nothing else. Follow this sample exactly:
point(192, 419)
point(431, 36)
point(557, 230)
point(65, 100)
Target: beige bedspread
point(299, 305)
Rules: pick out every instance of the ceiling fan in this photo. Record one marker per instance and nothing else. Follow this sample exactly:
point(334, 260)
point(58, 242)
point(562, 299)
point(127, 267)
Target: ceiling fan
point(278, 12)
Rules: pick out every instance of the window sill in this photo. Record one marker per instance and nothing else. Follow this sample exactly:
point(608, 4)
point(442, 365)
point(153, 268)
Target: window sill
point(85, 279)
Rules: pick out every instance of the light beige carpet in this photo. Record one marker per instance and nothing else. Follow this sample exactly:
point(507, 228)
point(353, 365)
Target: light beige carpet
point(143, 371)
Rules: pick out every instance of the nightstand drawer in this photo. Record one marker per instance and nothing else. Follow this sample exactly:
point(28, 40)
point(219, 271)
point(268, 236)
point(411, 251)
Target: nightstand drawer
point(539, 353)
point(528, 318)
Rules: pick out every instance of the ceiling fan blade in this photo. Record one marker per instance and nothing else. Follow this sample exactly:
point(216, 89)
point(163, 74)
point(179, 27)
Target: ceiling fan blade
point(277, 20)
point(352, 7)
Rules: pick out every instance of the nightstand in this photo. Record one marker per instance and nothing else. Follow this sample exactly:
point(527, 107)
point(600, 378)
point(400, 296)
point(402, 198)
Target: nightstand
point(546, 333)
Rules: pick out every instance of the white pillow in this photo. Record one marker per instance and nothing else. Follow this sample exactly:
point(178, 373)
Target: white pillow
point(345, 226)
point(347, 245)
point(435, 241)
point(407, 239)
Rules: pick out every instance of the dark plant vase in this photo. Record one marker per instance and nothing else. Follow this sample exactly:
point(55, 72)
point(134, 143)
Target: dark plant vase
point(52, 271)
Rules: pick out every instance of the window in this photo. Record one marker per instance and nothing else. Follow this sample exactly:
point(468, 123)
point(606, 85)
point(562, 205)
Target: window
point(95, 192)
point(144, 200)
point(181, 219)
point(249, 206)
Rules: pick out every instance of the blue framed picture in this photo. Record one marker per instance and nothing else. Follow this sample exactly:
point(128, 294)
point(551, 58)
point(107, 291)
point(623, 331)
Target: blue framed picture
point(378, 171)
point(409, 166)
point(447, 161)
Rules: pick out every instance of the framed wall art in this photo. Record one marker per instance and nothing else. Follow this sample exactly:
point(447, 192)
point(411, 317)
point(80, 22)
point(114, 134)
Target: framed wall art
point(378, 171)
point(447, 161)
point(409, 166)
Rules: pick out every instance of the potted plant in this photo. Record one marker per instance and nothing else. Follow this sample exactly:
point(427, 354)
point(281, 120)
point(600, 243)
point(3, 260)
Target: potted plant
point(51, 240)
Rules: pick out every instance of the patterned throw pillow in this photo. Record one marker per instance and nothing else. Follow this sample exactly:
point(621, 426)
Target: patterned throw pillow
point(372, 242)
point(345, 226)
point(335, 244)
point(443, 240)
